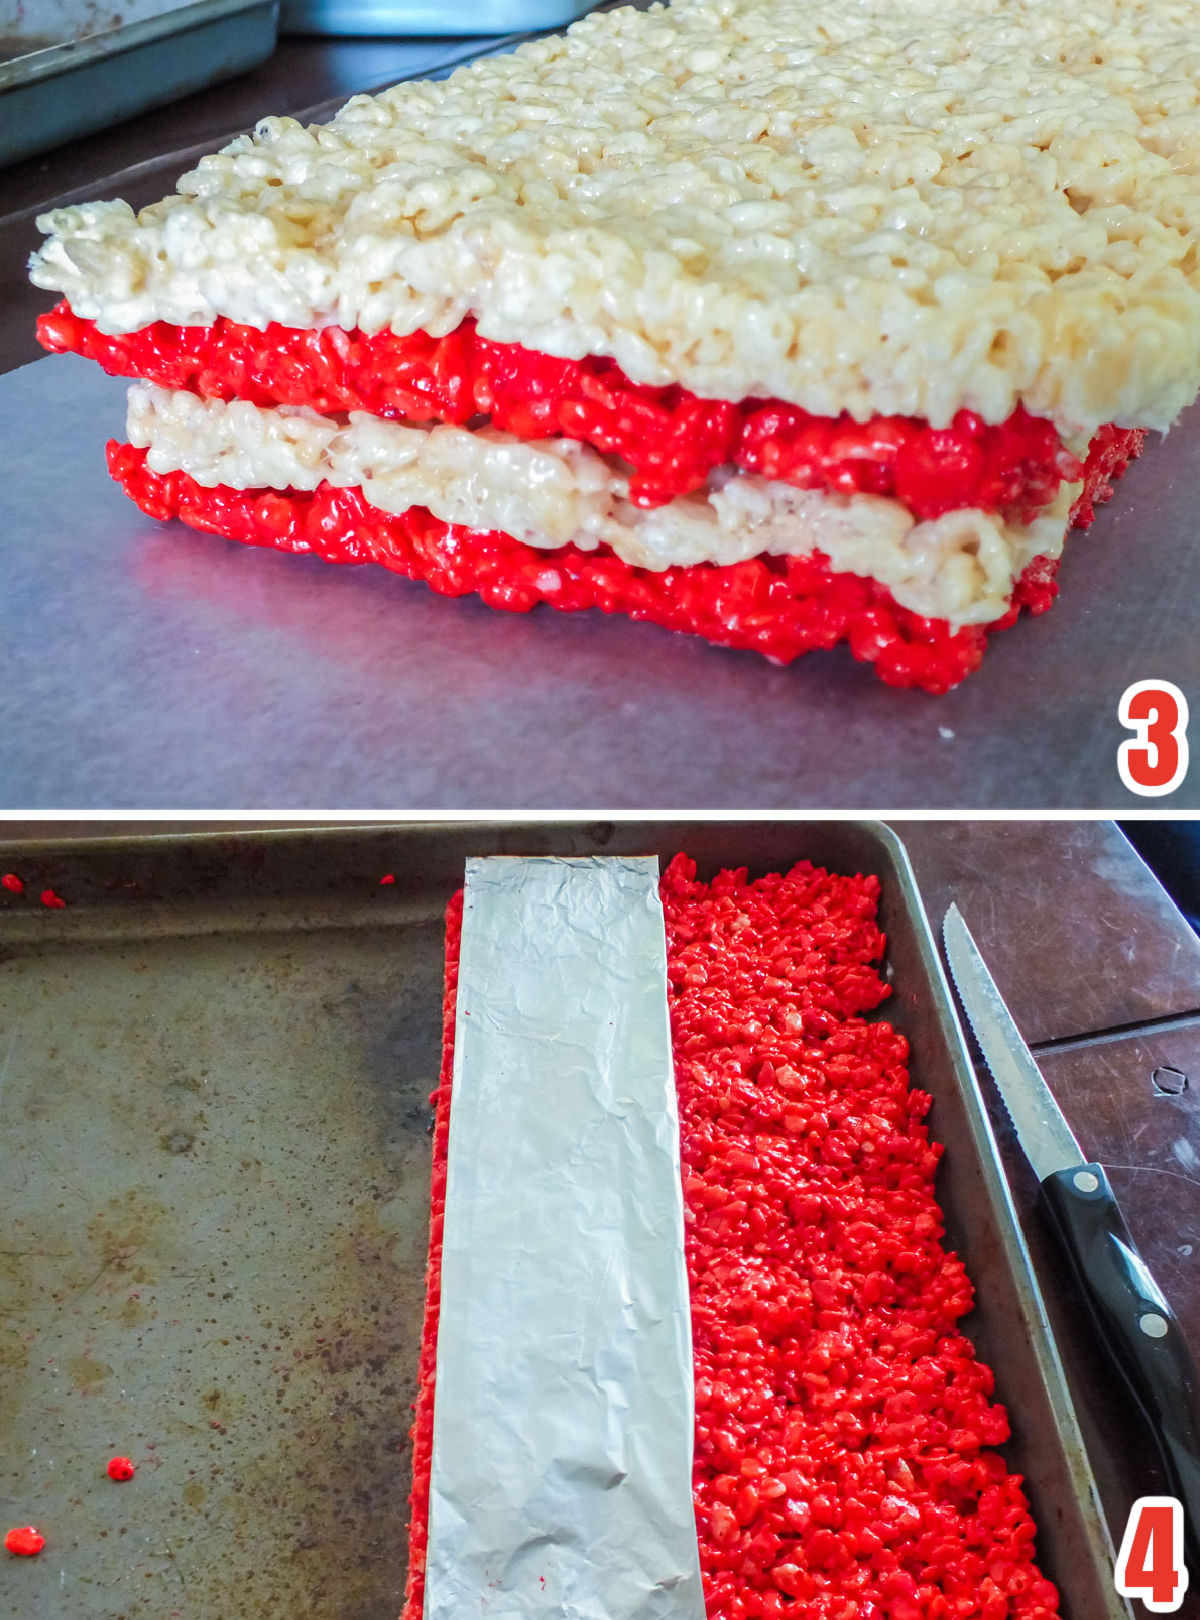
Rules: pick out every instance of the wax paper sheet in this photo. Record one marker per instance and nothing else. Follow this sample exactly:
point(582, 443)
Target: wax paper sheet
point(563, 1414)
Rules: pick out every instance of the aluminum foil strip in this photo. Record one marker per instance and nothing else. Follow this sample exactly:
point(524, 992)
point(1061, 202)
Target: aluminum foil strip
point(564, 1409)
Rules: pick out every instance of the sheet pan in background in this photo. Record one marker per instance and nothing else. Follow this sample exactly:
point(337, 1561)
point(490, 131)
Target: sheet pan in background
point(68, 67)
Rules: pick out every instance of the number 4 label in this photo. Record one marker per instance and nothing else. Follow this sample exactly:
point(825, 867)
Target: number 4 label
point(1150, 1564)
point(1157, 761)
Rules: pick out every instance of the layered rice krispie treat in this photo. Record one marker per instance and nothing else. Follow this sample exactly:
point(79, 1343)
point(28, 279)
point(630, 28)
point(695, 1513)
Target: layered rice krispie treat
point(781, 323)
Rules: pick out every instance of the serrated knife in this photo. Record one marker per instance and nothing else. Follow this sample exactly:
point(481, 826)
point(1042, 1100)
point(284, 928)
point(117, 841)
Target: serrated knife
point(1137, 1327)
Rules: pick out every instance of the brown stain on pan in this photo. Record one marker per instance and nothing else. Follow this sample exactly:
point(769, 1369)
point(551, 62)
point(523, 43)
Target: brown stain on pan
point(85, 1372)
point(220, 1206)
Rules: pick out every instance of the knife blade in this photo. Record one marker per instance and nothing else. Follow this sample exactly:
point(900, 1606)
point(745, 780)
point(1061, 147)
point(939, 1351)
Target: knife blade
point(1137, 1328)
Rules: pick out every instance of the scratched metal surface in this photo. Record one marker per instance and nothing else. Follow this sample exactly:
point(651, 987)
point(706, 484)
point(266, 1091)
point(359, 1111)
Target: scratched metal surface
point(77, 19)
point(1152, 1152)
point(214, 1069)
point(216, 1183)
point(1135, 1101)
point(1079, 933)
point(144, 665)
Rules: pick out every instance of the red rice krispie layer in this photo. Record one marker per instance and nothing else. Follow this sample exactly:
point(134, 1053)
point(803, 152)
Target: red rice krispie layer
point(908, 261)
point(844, 1467)
point(778, 606)
point(672, 439)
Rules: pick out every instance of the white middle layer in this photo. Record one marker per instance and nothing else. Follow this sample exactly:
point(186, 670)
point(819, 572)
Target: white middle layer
point(550, 492)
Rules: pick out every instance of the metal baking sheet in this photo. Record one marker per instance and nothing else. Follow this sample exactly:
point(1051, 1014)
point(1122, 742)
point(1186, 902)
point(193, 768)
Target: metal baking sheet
point(80, 65)
point(214, 1072)
point(26, 28)
point(144, 666)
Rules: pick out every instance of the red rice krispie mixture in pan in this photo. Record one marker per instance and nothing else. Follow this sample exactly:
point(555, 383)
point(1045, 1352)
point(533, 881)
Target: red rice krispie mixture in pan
point(845, 1430)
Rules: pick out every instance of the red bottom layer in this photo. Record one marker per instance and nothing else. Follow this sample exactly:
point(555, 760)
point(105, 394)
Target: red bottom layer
point(778, 606)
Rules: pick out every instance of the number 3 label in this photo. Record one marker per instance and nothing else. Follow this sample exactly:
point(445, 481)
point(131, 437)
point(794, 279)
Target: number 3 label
point(1150, 1564)
point(1157, 761)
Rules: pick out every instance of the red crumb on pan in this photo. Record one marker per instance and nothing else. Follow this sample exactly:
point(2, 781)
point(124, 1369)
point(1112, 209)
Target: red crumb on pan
point(673, 439)
point(12, 883)
point(25, 1542)
point(54, 901)
point(844, 1467)
point(388, 877)
point(121, 1468)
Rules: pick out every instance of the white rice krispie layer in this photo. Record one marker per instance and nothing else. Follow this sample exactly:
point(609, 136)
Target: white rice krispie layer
point(876, 206)
point(550, 492)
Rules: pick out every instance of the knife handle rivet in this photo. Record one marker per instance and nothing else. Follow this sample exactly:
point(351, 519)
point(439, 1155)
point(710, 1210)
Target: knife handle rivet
point(1086, 1181)
point(1153, 1325)
point(1167, 1081)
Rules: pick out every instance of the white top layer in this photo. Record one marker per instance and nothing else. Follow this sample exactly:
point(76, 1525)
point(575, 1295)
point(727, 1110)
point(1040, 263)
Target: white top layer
point(876, 205)
point(550, 492)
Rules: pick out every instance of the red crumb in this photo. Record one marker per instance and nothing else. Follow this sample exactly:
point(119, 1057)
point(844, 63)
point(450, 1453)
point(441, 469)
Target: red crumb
point(845, 1428)
point(121, 1468)
point(778, 606)
point(12, 883)
point(25, 1542)
point(388, 877)
point(54, 901)
point(673, 439)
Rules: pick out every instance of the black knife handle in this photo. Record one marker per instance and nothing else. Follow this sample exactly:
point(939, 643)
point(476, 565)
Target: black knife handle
point(1136, 1323)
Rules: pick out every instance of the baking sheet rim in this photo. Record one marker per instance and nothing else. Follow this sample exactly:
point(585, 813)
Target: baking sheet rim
point(65, 57)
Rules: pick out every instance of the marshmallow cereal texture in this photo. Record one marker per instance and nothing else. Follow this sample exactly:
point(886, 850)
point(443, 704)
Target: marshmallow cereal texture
point(880, 206)
point(960, 567)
